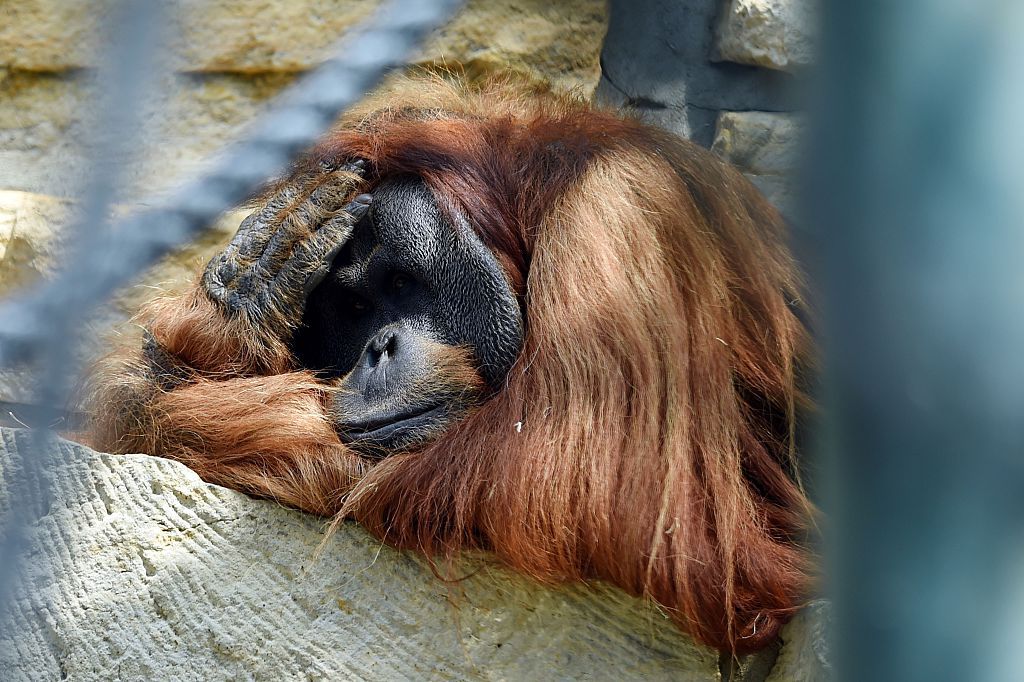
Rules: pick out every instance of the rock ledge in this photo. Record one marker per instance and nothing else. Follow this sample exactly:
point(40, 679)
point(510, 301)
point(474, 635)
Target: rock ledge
point(136, 569)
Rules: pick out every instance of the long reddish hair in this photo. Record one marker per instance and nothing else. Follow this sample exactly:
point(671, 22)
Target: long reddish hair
point(638, 438)
point(644, 437)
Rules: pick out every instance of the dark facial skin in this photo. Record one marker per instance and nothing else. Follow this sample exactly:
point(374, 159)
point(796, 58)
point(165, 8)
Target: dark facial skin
point(406, 281)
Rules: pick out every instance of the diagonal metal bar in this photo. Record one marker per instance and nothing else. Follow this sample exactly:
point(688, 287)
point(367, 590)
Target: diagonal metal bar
point(302, 113)
point(39, 326)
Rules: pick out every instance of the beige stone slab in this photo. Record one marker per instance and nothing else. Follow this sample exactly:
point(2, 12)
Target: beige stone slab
point(558, 41)
point(45, 125)
point(49, 35)
point(766, 147)
point(231, 58)
point(28, 245)
point(137, 570)
point(759, 142)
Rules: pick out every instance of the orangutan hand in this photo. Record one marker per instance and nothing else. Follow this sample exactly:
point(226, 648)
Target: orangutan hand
point(285, 249)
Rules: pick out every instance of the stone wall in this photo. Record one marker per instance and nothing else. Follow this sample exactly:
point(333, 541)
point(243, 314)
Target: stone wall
point(724, 73)
point(226, 59)
point(142, 571)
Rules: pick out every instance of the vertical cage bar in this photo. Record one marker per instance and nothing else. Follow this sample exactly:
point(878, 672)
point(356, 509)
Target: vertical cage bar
point(917, 215)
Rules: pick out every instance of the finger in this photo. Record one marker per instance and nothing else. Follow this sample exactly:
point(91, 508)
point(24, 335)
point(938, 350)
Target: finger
point(254, 233)
point(312, 248)
point(239, 241)
point(313, 258)
point(294, 227)
point(266, 238)
point(256, 230)
point(330, 241)
point(214, 287)
point(324, 200)
point(352, 213)
point(357, 166)
point(337, 186)
point(302, 220)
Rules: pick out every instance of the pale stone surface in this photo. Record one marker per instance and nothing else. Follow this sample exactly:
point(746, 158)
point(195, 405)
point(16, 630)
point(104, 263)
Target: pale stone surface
point(44, 127)
point(765, 146)
point(31, 247)
point(29, 225)
point(230, 59)
point(40, 126)
point(49, 35)
point(28, 247)
point(136, 569)
point(210, 35)
point(759, 142)
point(777, 34)
point(559, 41)
point(261, 35)
point(806, 642)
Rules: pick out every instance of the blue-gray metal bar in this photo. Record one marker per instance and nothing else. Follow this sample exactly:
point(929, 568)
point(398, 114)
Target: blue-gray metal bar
point(917, 181)
point(39, 326)
point(299, 115)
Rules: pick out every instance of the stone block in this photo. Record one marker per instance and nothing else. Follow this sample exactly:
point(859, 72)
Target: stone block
point(765, 146)
point(759, 142)
point(776, 34)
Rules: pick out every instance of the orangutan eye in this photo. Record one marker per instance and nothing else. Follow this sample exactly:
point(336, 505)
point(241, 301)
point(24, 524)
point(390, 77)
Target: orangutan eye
point(399, 282)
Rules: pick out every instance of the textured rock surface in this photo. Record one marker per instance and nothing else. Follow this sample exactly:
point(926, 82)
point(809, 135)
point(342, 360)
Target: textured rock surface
point(48, 35)
point(806, 642)
point(228, 59)
point(656, 60)
point(44, 128)
point(776, 34)
point(765, 146)
point(31, 247)
point(557, 40)
point(136, 569)
point(28, 246)
point(761, 143)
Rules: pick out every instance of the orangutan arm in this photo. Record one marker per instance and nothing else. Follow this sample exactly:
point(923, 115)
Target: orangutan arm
point(266, 435)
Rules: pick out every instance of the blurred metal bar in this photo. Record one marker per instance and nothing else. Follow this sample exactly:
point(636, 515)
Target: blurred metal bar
point(133, 34)
point(39, 327)
point(917, 188)
point(298, 117)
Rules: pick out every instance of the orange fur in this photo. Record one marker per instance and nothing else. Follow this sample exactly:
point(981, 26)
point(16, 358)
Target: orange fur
point(645, 435)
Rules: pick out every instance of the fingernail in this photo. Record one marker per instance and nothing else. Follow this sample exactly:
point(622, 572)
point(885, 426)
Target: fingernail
point(364, 199)
point(357, 210)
